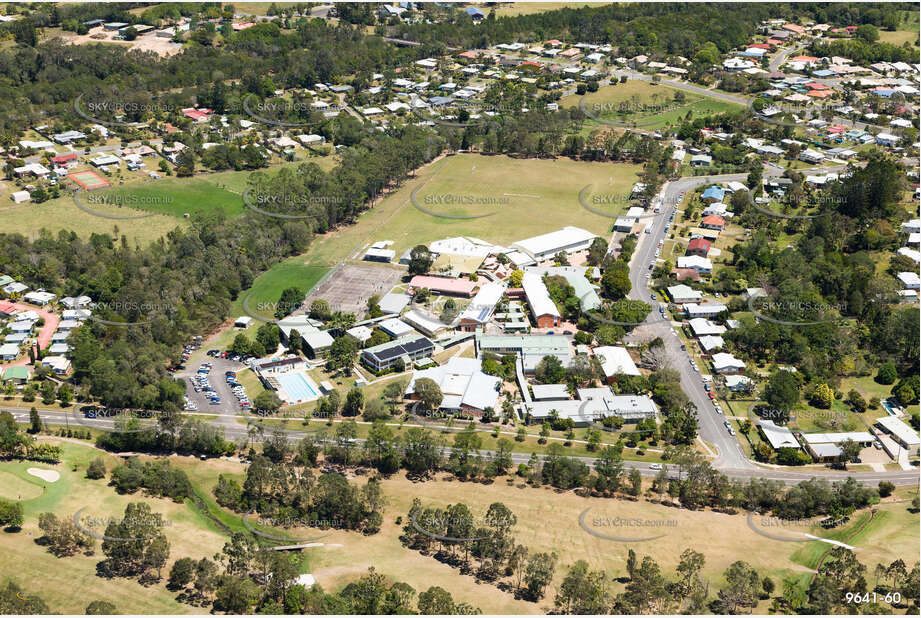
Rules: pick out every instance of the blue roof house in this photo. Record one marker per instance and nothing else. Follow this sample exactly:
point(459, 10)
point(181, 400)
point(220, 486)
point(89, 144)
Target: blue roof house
point(713, 194)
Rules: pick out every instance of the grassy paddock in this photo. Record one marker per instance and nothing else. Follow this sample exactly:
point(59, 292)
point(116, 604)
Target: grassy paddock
point(652, 106)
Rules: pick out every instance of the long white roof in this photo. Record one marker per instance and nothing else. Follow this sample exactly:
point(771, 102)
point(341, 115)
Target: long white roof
point(555, 241)
point(538, 296)
point(899, 429)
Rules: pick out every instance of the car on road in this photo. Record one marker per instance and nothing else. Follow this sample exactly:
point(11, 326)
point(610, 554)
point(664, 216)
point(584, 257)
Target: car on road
point(691, 362)
point(711, 395)
point(732, 431)
point(707, 387)
point(652, 297)
point(655, 466)
point(726, 423)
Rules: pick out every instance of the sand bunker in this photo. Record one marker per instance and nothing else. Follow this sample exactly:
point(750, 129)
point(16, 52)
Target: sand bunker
point(46, 475)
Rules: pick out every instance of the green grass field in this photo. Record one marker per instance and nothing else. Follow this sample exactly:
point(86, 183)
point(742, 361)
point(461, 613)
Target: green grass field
point(267, 288)
point(174, 197)
point(648, 106)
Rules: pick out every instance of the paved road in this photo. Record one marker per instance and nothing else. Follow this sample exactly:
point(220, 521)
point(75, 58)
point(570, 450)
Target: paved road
point(235, 431)
point(711, 428)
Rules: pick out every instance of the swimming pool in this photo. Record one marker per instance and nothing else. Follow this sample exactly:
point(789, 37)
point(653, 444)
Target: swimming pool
point(297, 387)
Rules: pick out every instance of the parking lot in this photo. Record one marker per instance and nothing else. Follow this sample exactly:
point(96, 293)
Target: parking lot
point(201, 400)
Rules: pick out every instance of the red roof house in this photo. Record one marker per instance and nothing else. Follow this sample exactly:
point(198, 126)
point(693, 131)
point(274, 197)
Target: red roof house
point(443, 285)
point(198, 115)
point(699, 246)
point(64, 158)
point(686, 273)
point(713, 222)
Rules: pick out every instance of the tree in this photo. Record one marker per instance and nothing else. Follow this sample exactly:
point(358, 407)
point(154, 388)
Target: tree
point(742, 584)
point(849, 450)
point(539, 573)
point(887, 373)
point(583, 591)
point(782, 393)
point(96, 469)
point(393, 393)
point(267, 402)
point(856, 401)
point(421, 454)
point(101, 608)
point(420, 260)
point(596, 251)
point(65, 395)
point(615, 282)
point(343, 353)
point(11, 514)
point(48, 391)
point(822, 396)
point(35, 421)
point(550, 370)
point(515, 278)
point(867, 32)
point(289, 300)
point(436, 601)
point(354, 402)
point(885, 489)
point(636, 482)
point(429, 394)
point(147, 547)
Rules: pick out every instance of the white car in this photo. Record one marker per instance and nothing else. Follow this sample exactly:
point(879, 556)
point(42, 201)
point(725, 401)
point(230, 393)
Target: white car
point(655, 466)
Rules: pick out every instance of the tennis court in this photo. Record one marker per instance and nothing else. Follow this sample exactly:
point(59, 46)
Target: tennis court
point(89, 180)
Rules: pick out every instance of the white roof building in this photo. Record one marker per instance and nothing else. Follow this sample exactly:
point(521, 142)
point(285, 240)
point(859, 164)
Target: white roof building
point(683, 294)
point(569, 239)
point(616, 360)
point(901, 433)
point(462, 383)
point(738, 383)
point(693, 310)
point(710, 342)
point(777, 436)
point(700, 264)
point(550, 392)
point(39, 298)
point(702, 327)
point(910, 280)
point(538, 297)
point(395, 327)
point(482, 305)
point(9, 351)
point(362, 333)
point(727, 363)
